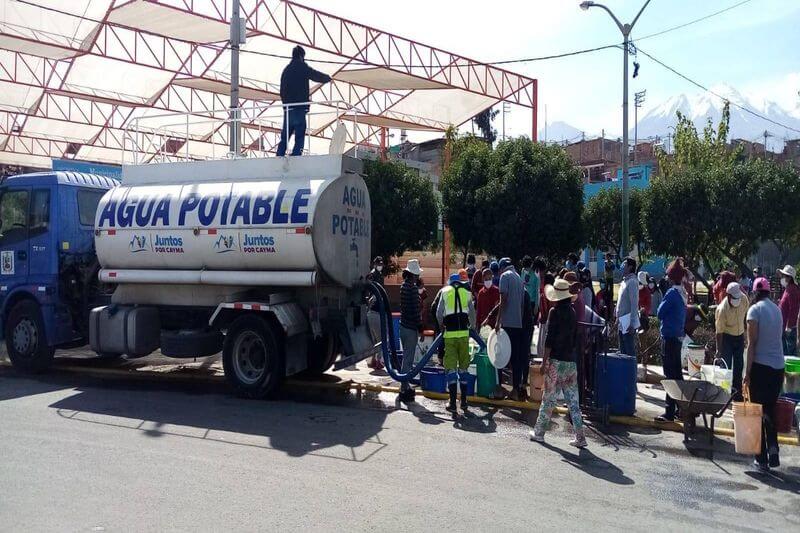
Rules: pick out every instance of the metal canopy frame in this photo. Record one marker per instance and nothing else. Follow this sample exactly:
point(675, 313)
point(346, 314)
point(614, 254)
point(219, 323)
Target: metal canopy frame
point(185, 66)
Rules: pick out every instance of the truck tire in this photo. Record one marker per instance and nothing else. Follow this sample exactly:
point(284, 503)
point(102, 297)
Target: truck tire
point(26, 341)
point(253, 357)
point(190, 343)
point(322, 353)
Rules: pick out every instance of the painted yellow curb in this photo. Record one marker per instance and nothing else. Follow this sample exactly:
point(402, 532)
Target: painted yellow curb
point(354, 385)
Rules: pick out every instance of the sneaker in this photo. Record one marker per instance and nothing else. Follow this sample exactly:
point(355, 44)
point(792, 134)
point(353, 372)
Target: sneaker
point(579, 442)
point(451, 408)
point(761, 467)
point(665, 418)
point(536, 437)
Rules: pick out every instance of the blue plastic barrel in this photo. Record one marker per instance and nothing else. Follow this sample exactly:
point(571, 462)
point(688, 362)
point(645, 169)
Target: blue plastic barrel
point(615, 383)
point(471, 385)
point(433, 379)
point(396, 326)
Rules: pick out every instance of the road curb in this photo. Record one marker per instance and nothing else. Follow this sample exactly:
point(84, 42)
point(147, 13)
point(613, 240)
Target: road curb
point(348, 385)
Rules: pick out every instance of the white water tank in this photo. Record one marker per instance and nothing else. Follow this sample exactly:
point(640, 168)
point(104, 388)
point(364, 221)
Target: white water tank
point(278, 217)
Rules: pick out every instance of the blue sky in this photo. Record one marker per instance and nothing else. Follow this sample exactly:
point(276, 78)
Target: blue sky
point(755, 48)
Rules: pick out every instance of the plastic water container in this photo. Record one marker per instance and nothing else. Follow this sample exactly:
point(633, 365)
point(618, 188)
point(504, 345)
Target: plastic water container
point(486, 374)
point(433, 379)
point(695, 357)
point(470, 385)
point(396, 327)
point(615, 383)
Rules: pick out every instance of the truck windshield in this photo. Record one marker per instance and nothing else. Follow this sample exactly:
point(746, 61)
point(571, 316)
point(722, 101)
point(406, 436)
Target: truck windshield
point(87, 205)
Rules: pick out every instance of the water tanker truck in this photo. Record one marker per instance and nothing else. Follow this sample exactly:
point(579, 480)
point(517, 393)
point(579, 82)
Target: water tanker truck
point(264, 260)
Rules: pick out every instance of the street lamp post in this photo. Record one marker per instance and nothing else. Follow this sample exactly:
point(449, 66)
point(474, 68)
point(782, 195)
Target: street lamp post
point(626, 33)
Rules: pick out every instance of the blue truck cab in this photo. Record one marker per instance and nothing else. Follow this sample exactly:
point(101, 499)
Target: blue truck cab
point(48, 266)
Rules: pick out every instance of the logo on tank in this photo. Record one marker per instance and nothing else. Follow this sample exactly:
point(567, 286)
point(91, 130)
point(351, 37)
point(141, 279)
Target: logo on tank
point(258, 244)
point(138, 244)
point(225, 244)
point(168, 244)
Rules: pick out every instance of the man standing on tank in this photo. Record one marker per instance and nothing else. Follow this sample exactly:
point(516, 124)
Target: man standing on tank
point(294, 90)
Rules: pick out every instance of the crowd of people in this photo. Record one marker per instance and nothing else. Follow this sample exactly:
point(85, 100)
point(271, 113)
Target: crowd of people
point(751, 336)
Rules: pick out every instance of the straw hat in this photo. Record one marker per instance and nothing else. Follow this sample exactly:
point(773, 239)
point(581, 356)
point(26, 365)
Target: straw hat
point(788, 270)
point(558, 291)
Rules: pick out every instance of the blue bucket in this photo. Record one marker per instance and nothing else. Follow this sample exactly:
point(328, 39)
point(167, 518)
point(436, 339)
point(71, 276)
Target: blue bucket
point(433, 379)
point(396, 328)
point(471, 385)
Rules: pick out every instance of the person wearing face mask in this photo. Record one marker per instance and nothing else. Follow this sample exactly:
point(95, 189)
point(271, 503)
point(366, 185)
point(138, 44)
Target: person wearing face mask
point(488, 298)
point(627, 310)
point(789, 306)
point(730, 319)
point(410, 324)
point(376, 274)
point(672, 315)
point(559, 364)
point(655, 296)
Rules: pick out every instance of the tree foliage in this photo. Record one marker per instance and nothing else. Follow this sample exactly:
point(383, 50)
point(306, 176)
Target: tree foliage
point(693, 151)
point(405, 210)
point(484, 122)
point(602, 221)
point(468, 172)
point(712, 204)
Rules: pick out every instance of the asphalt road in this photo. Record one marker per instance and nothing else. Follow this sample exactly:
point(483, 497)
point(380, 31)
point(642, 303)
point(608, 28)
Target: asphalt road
point(79, 454)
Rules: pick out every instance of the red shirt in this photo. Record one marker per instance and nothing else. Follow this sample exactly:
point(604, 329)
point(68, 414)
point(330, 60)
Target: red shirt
point(477, 283)
point(790, 305)
point(487, 300)
point(645, 299)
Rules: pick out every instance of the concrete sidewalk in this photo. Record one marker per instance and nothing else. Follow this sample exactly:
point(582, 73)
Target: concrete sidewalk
point(649, 402)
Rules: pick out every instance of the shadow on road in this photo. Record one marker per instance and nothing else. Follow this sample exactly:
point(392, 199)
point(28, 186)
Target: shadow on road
point(293, 427)
point(593, 465)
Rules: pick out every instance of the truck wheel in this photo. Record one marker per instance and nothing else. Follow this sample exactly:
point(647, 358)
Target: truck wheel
point(252, 357)
point(26, 340)
point(322, 353)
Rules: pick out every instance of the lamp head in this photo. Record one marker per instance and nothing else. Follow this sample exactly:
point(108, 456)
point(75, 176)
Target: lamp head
point(586, 5)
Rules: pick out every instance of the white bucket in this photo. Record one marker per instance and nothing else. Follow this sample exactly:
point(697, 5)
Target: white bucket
point(695, 357)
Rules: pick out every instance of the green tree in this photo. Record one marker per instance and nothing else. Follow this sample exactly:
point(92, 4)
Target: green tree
point(467, 173)
point(405, 210)
point(602, 221)
point(484, 122)
point(693, 151)
point(533, 201)
point(675, 213)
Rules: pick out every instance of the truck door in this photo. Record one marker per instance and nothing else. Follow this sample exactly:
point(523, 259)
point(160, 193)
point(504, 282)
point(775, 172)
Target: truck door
point(41, 252)
point(14, 209)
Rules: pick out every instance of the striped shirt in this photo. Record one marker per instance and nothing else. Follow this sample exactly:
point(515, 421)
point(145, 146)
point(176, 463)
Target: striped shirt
point(409, 306)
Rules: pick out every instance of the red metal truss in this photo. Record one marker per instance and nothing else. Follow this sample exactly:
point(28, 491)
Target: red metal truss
point(61, 96)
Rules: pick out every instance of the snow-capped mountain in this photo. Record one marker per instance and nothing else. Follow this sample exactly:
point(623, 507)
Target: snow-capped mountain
point(700, 107)
point(559, 132)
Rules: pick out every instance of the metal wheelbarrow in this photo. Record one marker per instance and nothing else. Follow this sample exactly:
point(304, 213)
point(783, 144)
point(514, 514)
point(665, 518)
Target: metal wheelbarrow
point(698, 398)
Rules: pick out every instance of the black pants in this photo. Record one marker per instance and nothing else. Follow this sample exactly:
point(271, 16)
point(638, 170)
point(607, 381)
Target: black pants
point(765, 387)
point(671, 361)
point(732, 351)
point(519, 355)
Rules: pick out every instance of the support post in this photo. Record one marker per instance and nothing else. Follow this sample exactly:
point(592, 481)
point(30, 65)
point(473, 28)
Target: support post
point(235, 38)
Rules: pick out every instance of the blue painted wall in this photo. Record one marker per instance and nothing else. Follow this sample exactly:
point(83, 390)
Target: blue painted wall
point(639, 179)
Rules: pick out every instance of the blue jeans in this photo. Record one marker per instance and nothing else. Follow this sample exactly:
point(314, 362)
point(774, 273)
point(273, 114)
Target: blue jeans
point(627, 342)
point(408, 340)
point(294, 123)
